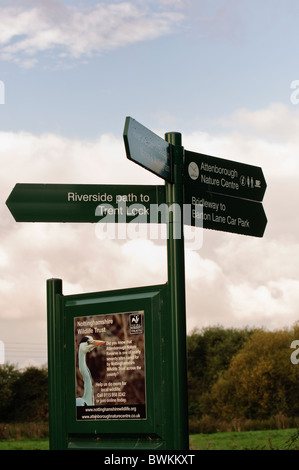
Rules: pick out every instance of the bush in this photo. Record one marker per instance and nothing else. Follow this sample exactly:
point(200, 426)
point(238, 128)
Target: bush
point(24, 430)
point(23, 395)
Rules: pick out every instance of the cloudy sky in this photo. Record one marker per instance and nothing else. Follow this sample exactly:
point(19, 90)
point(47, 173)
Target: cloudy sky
point(223, 73)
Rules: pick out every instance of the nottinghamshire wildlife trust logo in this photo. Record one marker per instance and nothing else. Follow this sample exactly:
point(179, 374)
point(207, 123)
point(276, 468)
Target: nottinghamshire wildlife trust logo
point(136, 327)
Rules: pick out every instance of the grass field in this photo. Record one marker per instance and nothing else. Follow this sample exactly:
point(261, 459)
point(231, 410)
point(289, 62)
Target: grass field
point(282, 439)
point(246, 440)
point(24, 444)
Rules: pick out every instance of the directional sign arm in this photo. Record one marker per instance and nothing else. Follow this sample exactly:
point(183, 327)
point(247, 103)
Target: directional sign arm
point(217, 175)
point(147, 149)
point(227, 214)
point(83, 203)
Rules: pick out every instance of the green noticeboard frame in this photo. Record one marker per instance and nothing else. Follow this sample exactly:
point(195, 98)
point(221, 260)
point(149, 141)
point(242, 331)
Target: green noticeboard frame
point(154, 427)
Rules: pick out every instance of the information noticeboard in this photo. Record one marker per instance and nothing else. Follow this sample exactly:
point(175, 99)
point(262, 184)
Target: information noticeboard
point(110, 366)
point(111, 384)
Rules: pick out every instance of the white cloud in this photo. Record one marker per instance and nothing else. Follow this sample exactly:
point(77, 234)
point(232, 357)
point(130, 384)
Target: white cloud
point(265, 304)
point(73, 32)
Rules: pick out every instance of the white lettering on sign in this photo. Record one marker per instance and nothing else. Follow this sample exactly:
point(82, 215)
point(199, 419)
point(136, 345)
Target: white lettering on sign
point(126, 198)
point(219, 182)
point(209, 180)
point(243, 223)
point(229, 184)
point(204, 203)
point(75, 197)
point(106, 197)
point(219, 170)
point(109, 210)
point(212, 216)
point(227, 180)
point(132, 211)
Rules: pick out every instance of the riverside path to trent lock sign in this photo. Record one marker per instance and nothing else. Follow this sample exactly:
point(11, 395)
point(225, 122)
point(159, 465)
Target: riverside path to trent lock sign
point(84, 202)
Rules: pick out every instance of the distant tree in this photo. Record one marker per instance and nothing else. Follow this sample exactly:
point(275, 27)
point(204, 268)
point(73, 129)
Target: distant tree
point(30, 396)
point(260, 382)
point(210, 351)
point(8, 375)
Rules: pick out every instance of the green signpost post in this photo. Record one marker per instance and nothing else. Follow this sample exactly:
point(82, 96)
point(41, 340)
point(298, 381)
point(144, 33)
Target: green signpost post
point(117, 360)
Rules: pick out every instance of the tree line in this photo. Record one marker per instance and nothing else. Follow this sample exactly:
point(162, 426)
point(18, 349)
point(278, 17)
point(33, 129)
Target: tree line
point(23, 394)
point(242, 374)
point(233, 374)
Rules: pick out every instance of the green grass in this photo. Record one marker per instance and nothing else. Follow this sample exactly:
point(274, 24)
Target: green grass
point(281, 439)
point(24, 444)
point(245, 440)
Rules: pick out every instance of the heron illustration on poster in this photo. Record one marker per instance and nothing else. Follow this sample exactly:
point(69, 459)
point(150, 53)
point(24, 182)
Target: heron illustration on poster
point(87, 344)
